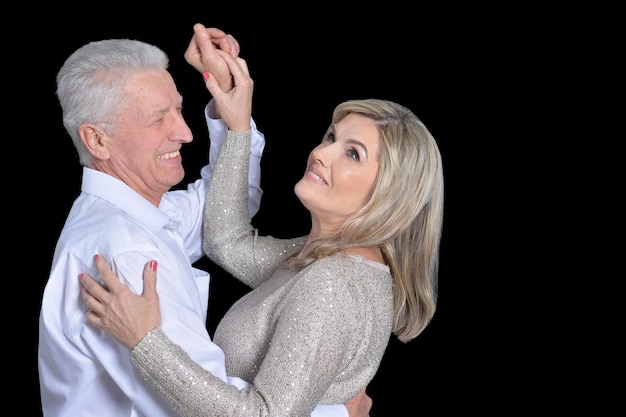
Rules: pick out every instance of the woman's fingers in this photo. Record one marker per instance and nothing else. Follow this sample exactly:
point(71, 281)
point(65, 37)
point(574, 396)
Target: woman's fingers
point(108, 277)
point(95, 294)
point(222, 40)
point(92, 288)
point(234, 105)
point(238, 68)
point(149, 280)
point(92, 292)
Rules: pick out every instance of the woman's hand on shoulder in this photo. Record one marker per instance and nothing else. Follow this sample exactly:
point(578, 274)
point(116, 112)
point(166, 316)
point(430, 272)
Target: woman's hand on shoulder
point(114, 308)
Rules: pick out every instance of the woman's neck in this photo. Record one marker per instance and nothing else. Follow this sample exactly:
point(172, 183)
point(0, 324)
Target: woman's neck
point(373, 253)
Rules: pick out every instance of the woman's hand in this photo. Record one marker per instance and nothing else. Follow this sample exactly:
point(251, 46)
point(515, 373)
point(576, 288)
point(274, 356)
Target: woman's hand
point(234, 105)
point(203, 53)
point(116, 309)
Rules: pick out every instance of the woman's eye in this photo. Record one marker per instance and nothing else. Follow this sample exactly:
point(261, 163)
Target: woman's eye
point(353, 154)
point(330, 137)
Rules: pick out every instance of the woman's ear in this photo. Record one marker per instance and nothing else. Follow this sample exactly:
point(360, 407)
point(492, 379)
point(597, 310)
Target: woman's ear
point(95, 141)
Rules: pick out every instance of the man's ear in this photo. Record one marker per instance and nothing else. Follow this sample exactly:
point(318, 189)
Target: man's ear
point(95, 141)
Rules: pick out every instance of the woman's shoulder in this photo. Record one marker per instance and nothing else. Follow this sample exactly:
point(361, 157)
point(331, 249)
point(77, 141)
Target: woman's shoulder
point(354, 259)
point(348, 268)
point(349, 280)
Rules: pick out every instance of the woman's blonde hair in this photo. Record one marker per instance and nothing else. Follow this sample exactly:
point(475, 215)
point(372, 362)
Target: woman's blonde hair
point(404, 214)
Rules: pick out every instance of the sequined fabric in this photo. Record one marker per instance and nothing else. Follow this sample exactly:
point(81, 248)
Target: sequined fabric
point(302, 338)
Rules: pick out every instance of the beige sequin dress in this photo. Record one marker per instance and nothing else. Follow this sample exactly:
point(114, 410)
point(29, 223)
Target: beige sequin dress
point(302, 338)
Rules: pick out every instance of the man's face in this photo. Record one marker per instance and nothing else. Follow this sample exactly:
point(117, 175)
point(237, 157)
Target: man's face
point(144, 150)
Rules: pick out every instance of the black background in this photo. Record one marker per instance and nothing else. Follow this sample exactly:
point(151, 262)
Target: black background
point(438, 63)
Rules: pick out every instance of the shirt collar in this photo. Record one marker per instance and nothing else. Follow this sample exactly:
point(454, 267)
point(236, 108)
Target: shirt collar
point(119, 194)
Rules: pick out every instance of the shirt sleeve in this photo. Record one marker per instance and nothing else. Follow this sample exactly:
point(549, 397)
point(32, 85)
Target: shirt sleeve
point(330, 410)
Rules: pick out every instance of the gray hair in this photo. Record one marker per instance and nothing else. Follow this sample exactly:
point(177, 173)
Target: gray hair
point(91, 81)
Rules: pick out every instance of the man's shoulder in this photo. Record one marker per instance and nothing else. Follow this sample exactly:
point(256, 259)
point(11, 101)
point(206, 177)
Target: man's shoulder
point(93, 218)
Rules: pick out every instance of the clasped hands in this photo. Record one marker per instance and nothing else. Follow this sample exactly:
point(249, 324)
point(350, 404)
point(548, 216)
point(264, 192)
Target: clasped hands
point(215, 52)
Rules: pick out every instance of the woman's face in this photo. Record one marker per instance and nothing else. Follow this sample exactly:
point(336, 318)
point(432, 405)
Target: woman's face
point(340, 171)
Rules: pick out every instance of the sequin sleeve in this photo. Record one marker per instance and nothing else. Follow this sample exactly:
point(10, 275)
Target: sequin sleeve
point(188, 387)
point(230, 240)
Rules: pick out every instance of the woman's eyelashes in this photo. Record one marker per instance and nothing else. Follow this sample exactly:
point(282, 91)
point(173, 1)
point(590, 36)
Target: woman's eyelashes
point(352, 153)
